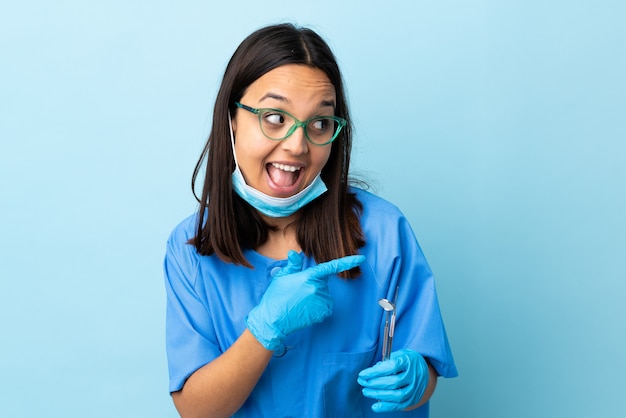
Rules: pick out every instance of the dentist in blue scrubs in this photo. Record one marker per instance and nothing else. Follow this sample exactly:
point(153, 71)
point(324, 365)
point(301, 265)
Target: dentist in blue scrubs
point(273, 285)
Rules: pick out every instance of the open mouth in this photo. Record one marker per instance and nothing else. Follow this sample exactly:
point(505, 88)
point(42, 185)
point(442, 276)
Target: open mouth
point(283, 176)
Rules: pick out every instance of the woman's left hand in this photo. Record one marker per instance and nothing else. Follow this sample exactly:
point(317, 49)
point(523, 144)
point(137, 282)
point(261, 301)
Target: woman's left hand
point(397, 383)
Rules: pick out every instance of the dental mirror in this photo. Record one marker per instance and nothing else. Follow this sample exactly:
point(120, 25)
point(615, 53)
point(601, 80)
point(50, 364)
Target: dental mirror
point(386, 305)
point(390, 310)
point(390, 323)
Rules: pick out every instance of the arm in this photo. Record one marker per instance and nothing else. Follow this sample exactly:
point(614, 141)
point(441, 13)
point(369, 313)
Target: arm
point(294, 300)
point(220, 388)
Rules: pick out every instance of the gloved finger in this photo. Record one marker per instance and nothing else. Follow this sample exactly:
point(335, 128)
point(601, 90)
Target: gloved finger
point(294, 264)
point(413, 364)
point(387, 407)
point(320, 309)
point(390, 382)
point(403, 353)
point(394, 365)
point(399, 395)
point(332, 267)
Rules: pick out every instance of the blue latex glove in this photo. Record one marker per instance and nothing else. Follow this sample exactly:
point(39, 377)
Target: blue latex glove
point(396, 383)
point(295, 299)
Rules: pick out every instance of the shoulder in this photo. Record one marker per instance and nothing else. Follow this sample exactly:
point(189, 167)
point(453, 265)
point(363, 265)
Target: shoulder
point(382, 220)
point(184, 231)
point(178, 248)
point(374, 205)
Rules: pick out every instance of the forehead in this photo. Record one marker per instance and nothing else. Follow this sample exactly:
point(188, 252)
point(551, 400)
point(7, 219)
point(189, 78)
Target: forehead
point(292, 82)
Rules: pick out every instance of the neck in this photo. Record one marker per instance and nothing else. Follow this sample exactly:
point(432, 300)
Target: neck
point(282, 224)
point(280, 240)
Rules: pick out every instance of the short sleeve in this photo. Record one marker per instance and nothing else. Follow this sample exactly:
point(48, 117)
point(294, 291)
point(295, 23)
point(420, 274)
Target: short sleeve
point(399, 266)
point(190, 336)
point(419, 323)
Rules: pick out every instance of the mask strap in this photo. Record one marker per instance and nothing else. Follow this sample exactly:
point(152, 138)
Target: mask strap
point(232, 140)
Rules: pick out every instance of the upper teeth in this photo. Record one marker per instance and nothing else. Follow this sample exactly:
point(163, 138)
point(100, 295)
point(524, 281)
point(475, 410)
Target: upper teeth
point(286, 167)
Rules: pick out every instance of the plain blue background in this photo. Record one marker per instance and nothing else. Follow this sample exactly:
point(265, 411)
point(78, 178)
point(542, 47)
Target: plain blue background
point(498, 127)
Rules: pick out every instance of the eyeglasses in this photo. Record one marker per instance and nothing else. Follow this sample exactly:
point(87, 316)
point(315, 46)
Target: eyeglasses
point(279, 125)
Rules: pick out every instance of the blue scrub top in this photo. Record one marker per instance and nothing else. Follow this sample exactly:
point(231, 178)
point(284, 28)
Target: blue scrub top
point(315, 373)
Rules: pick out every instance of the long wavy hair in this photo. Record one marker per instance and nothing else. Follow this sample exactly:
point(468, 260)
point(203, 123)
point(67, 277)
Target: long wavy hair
point(329, 226)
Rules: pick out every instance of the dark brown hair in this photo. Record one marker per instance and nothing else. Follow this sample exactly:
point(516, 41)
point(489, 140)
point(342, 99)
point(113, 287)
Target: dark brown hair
point(329, 226)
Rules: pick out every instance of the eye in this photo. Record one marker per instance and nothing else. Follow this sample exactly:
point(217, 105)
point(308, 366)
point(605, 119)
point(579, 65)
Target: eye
point(274, 118)
point(321, 124)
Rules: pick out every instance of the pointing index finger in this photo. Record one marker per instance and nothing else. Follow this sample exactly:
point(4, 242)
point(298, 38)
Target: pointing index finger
point(332, 267)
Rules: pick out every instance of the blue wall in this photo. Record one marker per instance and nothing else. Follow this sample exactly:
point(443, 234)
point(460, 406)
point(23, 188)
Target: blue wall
point(498, 127)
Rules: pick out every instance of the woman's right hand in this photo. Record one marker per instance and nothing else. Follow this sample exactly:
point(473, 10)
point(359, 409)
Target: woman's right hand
point(296, 299)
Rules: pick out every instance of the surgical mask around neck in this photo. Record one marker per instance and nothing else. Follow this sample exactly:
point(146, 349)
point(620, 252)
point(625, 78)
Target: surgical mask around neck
point(274, 207)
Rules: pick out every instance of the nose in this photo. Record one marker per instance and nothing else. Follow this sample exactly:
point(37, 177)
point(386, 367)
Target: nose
point(296, 143)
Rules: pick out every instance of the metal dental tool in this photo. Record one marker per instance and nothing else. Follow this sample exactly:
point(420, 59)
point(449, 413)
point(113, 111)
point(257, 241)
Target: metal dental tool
point(390, 324)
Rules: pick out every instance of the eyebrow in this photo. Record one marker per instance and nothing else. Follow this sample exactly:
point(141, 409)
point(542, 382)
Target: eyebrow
point(270, 95)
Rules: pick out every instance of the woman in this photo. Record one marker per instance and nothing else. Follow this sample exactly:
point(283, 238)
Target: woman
point(273, 286)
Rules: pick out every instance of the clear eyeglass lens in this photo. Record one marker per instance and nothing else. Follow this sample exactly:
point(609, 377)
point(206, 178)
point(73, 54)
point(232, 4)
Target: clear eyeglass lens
point(321, 129)
point(278, 125)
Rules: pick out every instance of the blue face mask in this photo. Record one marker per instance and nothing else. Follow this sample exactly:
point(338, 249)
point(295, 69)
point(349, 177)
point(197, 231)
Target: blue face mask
point(274, 207)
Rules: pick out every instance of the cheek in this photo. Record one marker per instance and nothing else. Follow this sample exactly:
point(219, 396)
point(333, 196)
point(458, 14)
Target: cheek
point(321, 158)
point(248, 144)
point(251, 156)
